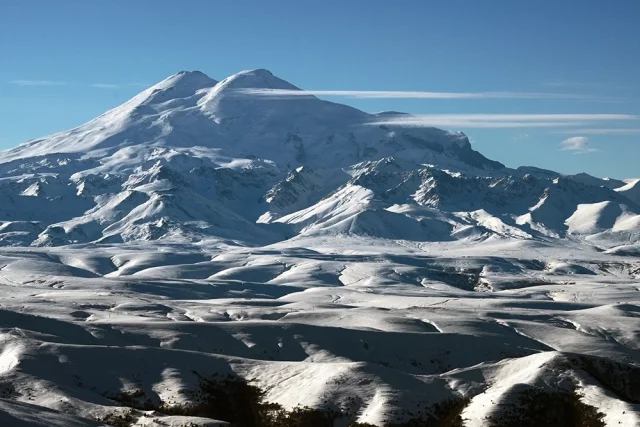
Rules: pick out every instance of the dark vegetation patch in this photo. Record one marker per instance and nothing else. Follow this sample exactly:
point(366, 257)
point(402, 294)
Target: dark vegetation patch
point(447, 413)
point(621, 379)
point(228, 399)
point(124, 419)
point(241, 404)
point(532, 407)
point(232, 399)
point(135, 399)
point(8, 391)
point(535, 407)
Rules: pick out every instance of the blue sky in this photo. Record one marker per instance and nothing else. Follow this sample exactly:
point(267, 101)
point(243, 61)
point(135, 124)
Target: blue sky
point(64, 62)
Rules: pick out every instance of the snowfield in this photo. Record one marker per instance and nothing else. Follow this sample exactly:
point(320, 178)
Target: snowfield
point(377, 273)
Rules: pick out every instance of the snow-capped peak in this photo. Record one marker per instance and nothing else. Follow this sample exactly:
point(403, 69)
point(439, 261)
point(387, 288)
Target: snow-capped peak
point(256, 79)
point(187, 80)
point(179, 85)
point(238, 92)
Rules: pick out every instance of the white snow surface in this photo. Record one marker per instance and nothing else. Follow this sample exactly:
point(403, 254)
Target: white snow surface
point(336, 264)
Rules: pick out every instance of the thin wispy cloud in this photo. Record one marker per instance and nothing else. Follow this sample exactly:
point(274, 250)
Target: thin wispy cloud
point(56, 83)
point(569, 84)
point(601, 131)
point(118, 85)
point(501, 120)
point(521, 137)
point(577, 144)
point(36, 83)
point(105, 86)
point(395, 94)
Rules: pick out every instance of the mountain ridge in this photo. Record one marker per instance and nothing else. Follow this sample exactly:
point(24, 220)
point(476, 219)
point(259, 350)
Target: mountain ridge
point(196, 158)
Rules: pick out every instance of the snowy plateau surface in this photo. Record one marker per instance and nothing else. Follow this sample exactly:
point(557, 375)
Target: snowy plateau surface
point(379, 273)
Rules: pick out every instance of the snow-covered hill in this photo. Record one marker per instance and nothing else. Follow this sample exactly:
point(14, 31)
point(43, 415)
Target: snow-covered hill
point(373, 274)
point(192, 158)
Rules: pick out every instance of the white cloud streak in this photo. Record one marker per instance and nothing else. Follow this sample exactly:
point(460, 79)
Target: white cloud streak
point(36, 83)
point(602, 131)
point(55, 83)
point(577, 144)
point(105, 86)
point(394, 94)
point(476, 121)
point(569, 84)
point(521, 137)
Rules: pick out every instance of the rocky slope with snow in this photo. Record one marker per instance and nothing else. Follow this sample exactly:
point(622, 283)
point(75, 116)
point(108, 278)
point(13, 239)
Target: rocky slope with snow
point(378, 273)
point(193, 158)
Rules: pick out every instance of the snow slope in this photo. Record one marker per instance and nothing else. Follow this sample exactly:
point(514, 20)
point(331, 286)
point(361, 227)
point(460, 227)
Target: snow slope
point(376, 328)
point(631, 190)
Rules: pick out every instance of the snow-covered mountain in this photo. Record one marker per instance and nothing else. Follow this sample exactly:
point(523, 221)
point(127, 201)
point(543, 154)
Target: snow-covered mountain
point(193, 158)
point(352, 272)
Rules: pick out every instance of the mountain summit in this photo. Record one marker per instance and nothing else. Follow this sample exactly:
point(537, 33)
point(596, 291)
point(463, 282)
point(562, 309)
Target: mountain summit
point(194, 158)
point(189, 109)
